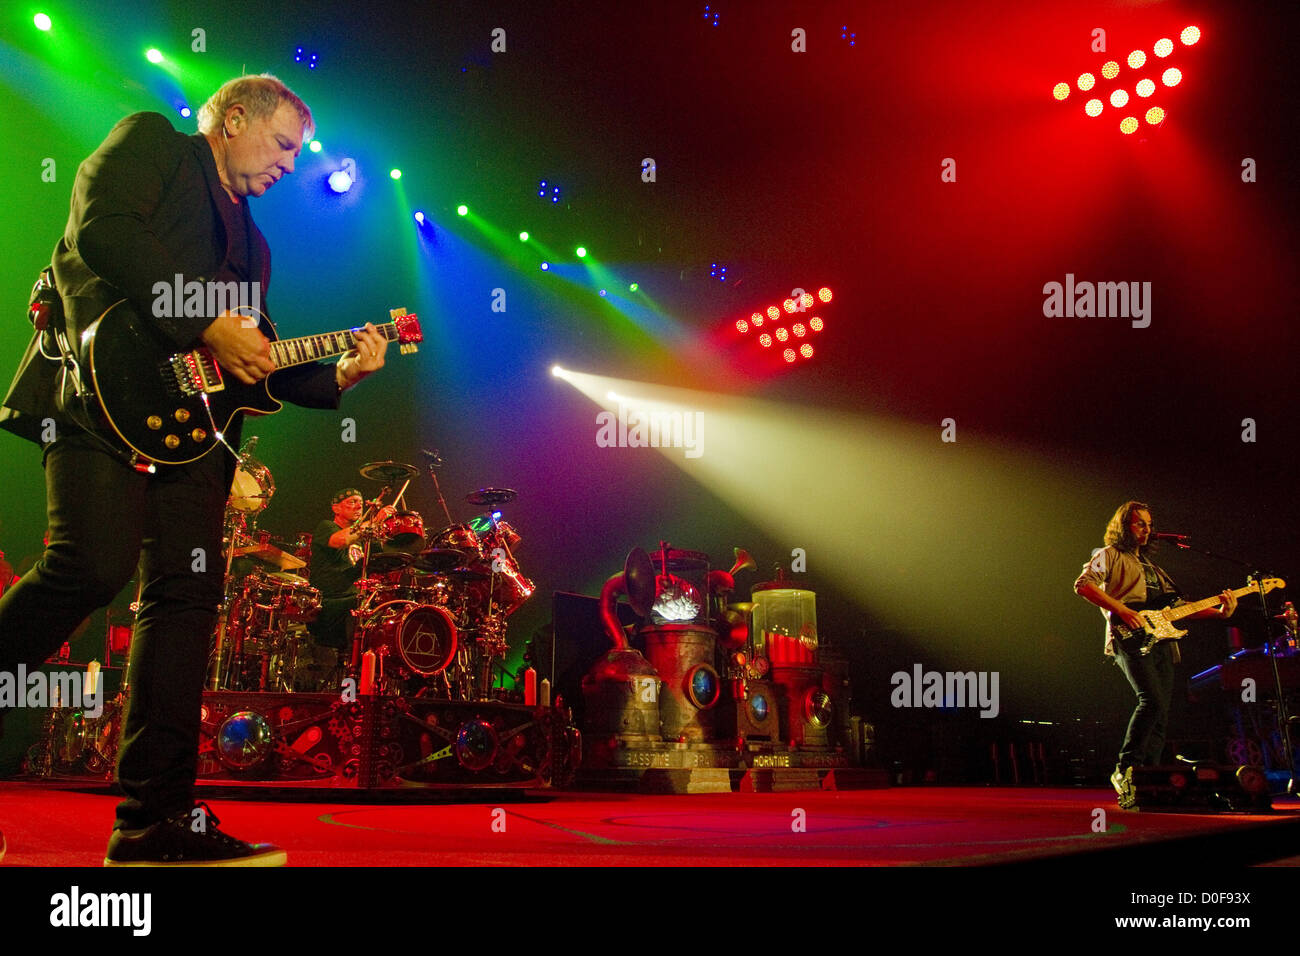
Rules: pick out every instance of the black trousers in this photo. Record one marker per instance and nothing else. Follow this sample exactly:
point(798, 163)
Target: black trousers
point(1152, 679)
point(104, 518)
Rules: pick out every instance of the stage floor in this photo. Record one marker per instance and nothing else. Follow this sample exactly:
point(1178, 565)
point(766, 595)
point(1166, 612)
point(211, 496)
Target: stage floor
point(52, 827)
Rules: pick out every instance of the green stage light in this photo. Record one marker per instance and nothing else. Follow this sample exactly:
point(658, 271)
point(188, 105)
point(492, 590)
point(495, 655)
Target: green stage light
point(315, 146)
point(523, 237)
point(462, 210)
point(395, 173)
point(633, 287)
point(153, 55)
point(582, 252)
point(42, 21)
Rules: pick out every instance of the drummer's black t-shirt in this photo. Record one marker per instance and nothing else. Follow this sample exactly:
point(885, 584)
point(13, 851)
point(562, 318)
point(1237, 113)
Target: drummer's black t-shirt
point(332, 570)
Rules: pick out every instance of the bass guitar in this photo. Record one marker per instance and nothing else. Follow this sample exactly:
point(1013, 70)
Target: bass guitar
point(171, 407)
point(1158, 616)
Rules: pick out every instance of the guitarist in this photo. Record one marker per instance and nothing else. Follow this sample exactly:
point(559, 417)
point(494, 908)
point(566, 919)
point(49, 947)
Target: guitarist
point(1119, 578)
point(150, 204)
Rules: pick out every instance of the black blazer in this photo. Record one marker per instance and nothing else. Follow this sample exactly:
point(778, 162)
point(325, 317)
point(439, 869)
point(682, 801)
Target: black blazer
point(147, 206)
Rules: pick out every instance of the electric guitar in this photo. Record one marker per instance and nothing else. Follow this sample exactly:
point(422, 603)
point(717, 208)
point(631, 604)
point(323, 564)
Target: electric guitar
point(1158, 616)
point(171, 407)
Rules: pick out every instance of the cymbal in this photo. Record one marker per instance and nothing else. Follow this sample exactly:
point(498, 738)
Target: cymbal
point(388, 471)
point(284, 577)
point(387, 561)
point(438, 559)
point(468, 574)
point(271, 555)
point(490, 497)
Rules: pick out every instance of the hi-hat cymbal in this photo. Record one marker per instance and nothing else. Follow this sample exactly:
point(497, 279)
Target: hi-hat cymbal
point(491, 497)
point(387, 561)
point(388, 471)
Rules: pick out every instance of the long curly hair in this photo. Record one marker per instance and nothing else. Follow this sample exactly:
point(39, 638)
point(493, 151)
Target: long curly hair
point(1118, 533)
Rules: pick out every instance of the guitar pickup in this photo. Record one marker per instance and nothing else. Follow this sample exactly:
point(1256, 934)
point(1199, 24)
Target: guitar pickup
point(196, 372)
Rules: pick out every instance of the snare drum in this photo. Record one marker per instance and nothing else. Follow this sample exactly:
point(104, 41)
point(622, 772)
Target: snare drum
point(403, 529)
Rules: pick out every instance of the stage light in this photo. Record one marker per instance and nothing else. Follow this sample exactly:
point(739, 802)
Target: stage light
point(1155, 116)
point(1128, 124)
point(1118, 98)
point(604, 292)
point(788, 355)
point(1145, 88)
point(557, 371)
point(718, 272)
point(462, 210)
point(806, 350)
point(845, 34)
point(1172, 76)
point(419, 217)
point(815, 323)
point(340, 181)
point(1164, 47)
point(1087, 81)
point(757, 319)
point(773, 313)
point(806, 300)
point(582, 252)
point(153, 55)
point(765, 340)
point(1093, 107)
point(1061, 90)
point(824, 293)
point(713, 15)
point(782, 334)
point(742, 326)
point(1190, 35)
point(799, 330)
point(1110, 69)
point(612, 396)
point(395, 173)
point(186, 112)
point(1136, 59)
point(314, 146)
point(546, 267)
point(633, 287)
point(42, 21)
point(790, 305)
point(523, 237)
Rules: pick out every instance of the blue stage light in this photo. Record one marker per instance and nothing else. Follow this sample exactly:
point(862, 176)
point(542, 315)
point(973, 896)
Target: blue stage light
point(340, 181)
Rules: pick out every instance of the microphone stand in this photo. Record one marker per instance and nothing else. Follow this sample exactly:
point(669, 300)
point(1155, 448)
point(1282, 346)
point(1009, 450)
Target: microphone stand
point(1255, 576)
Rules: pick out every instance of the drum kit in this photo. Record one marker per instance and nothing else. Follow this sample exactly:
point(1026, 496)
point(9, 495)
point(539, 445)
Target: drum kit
point(431, 608)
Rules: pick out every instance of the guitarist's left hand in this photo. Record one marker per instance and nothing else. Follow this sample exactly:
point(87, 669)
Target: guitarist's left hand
point(366, 358)
point(1229, 604)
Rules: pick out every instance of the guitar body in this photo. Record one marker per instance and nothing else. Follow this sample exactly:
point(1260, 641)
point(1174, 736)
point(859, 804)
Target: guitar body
point(152, 394)
point(1156, 627)
point(168, 405)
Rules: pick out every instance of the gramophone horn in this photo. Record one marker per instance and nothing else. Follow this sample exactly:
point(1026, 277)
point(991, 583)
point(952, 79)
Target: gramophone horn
point(743, 561)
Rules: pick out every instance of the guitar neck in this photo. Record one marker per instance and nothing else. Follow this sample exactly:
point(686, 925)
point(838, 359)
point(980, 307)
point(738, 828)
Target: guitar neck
point(311, 348)
point(1186, 610)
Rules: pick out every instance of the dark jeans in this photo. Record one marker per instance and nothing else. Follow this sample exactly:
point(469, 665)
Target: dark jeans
point(104, 517)
point(1152, 679)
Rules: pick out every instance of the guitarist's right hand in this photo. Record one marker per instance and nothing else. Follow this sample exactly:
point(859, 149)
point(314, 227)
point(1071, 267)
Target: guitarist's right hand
point(243, 351)
point(1132, 620)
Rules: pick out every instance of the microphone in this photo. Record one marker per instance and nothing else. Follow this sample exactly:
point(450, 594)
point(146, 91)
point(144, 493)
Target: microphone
point(1167, 536)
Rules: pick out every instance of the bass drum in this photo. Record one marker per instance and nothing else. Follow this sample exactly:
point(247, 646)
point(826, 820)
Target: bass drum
point(252, 488)
point(421, 636)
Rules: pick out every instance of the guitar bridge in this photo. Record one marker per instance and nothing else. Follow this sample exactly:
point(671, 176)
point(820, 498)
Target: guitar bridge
point(196, 372)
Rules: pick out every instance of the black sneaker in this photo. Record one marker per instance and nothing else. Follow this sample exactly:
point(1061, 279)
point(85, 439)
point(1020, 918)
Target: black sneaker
point(176, 842)
point(1122, 781)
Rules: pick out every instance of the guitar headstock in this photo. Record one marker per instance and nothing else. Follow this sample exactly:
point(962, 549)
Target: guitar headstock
point(1264, 585)
point(408, 331)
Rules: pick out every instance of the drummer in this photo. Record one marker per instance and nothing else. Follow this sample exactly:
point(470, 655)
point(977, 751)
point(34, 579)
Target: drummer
point(336, 552)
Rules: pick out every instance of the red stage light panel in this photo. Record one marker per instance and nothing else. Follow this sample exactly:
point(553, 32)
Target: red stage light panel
point(806, 350)
point(757, 319)
point(1110, 69)
point(1061, 90)
point(765, 340)
point(790, 305)
point(1087, 81)
point(806, 300)
point(782, 334)
point(1145, 88)
point(1093, 107)
point(1190, 35)
point(1155, 116)
point(799, 330)
point(1172, 76)
point(824, 294)
point(1128, 125)
point(1118, 98)
point(742, 326)
point(788, 355)
point(1164, 46)
point(1136, 59)
point(773, 313)
point(815, 323)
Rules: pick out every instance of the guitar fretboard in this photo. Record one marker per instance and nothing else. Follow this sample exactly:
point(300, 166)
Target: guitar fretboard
point(310, 348)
